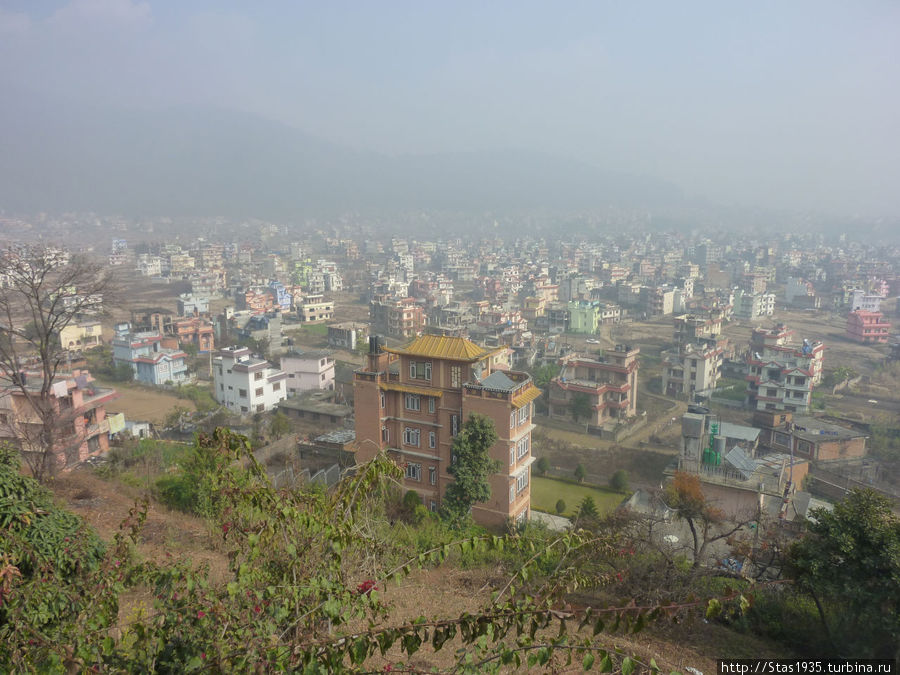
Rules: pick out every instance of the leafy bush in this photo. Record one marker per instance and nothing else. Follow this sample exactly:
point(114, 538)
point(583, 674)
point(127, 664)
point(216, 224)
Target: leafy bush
point(50, 549)
point(619, 481)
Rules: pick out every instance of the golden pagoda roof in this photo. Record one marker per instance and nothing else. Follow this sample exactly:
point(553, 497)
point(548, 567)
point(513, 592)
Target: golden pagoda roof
point(443, 347)
point(526, 396)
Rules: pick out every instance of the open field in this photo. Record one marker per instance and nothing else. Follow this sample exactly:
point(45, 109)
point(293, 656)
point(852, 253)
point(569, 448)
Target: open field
point(143, 404)
point(545, 492)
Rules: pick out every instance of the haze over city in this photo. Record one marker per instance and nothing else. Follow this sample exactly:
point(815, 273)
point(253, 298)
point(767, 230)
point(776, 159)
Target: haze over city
point(764, 106)
point(449, 337)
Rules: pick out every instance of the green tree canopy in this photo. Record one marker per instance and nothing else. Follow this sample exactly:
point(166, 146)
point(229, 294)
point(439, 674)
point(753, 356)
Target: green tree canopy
point(580, 406)
point(580, 473)
point(849, 563)
point(619, 481)
point(542, 465)
point(471, 467)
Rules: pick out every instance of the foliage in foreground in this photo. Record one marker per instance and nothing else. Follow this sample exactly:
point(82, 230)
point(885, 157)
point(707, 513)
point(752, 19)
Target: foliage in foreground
point(849, 565)
point(303, 593)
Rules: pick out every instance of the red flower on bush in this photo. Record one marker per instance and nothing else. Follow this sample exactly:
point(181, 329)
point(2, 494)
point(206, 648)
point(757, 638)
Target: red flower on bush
point(366, 587)
point(201, 614)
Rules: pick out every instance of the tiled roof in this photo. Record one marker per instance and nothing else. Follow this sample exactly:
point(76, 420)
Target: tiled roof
point(443, 347)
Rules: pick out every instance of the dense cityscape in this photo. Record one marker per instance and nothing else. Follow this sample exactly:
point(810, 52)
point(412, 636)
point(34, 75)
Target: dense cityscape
point(449, 337)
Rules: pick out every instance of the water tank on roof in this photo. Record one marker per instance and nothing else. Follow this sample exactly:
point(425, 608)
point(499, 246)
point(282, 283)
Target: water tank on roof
point(698, 409)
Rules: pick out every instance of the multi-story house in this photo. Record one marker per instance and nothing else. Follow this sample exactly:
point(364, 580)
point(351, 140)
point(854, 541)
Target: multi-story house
point(690, 328)
point(315, 308)
point(308, 370)
point(692, 367)
point(412, 402)
point(753, 306)
point(867, 302)
point(81, 428)
point(347, 335)
point(195, 331)
point(400, 318)
point(81, 336)
point(868, 327)
point(246, 384)
point(190, 304)
point(152, 361)
point(609, 382)
point(779, 374)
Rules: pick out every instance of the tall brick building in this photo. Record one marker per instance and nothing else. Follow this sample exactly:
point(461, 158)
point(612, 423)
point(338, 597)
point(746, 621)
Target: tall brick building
point(411, 402)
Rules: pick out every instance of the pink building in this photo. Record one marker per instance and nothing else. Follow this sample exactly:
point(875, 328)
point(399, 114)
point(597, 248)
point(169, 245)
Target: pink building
point(82, 428)
point(868, 327)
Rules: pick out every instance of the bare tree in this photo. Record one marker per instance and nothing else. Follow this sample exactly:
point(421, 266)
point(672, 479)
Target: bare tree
point(708, 524)
point(42, 291)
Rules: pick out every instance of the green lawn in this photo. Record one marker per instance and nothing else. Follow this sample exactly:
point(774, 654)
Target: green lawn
point(546, 491)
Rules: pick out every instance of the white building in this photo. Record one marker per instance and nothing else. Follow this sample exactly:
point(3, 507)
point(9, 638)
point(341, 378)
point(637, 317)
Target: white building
point(245, 384)
point(860, 300)
point(308, 370)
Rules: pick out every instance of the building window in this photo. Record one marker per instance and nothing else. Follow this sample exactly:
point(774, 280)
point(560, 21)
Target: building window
point(455, 376)
point(411, 436)
point(782, 439)
point(431, 404)
point(432, 439)
point(523, 414)
point(276, 386)
point(522, 480)
point(512, 455)
point(432, 475)
point(261, 407)
point(512, 420)
point(221, 387)
point(512, 493)
point(454, 425)
point(381, 398)
point(420, 370)
point(522, 447)
point(414, 471)
point(258, 392)
point(257, 376)
point(385, 434)
point(242, 393)
point(413, 402)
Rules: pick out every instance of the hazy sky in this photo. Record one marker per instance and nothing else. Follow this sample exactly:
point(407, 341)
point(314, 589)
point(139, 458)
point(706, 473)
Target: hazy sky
point(780, 103)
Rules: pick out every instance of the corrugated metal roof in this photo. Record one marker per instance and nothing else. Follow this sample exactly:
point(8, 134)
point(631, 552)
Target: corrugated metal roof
point(737, 458)
point(443, 347)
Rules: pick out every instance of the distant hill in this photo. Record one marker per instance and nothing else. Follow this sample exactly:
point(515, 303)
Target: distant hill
point(189, 161)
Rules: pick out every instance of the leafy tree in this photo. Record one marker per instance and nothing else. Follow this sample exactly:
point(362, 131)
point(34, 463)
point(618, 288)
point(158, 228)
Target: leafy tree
point(560, 506)
point(543, 374)
point(849, 564)
point(189, 348)
point(411, 500)
point(542, 465)
point(619, 481)
point(684, 495)
point(122, 372)
point(175, 416)
point(580, 473)
point(43, 294)
point(587, 510)
point(279, 425)
point(580, 406)
point(471, 466)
